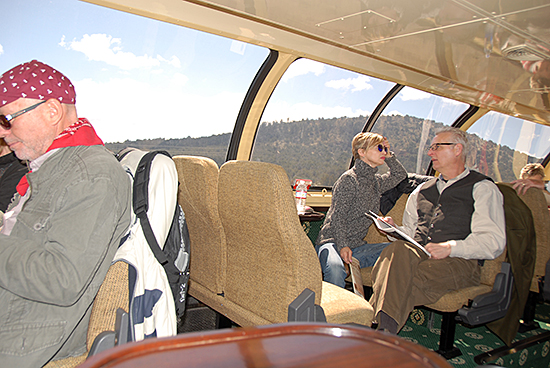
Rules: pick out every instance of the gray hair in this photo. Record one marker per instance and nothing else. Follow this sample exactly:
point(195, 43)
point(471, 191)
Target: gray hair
point(458, 136)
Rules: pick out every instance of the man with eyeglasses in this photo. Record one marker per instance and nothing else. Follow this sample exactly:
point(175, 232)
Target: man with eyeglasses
point(59, 234)
point(458, 217)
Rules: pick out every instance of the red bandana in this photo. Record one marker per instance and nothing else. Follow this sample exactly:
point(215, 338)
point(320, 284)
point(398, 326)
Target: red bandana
point(80, 133)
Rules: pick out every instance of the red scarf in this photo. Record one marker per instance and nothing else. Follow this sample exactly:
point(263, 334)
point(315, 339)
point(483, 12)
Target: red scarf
point(80, 133)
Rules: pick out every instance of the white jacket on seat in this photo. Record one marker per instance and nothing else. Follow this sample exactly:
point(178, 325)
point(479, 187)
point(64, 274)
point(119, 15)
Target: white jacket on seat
point(152, 309)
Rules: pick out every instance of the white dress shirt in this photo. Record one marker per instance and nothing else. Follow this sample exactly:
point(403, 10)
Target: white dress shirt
point(488, 237)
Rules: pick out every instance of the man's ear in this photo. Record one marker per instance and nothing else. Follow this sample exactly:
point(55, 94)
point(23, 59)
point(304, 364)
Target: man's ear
point(458, 149)
point(54, 111)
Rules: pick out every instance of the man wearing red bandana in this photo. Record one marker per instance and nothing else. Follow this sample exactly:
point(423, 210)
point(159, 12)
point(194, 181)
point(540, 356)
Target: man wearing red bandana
point(59, 234)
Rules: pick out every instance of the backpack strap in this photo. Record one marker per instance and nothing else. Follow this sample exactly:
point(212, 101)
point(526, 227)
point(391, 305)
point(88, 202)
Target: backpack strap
point(141, 202)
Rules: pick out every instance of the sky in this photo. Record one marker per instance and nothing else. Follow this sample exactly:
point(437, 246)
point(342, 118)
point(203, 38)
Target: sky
point(137, 78)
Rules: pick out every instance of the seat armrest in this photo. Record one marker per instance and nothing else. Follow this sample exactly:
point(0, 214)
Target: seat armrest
point(492, 297)
point(105, 340)
point(109, 339)
point(122, 325)
point(304, 309)
point(492, 305)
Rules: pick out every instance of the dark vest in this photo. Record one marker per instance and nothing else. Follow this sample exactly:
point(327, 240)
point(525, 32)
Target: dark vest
point(446, 216)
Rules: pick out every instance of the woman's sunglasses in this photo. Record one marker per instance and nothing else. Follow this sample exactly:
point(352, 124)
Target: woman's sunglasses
point(382, 148)
point(5, 119)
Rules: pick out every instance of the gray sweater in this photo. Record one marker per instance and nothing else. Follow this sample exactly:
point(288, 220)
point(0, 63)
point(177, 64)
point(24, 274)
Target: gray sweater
point(357, 191)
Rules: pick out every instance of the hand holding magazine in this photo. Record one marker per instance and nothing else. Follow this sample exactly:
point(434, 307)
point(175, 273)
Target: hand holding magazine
point(393, 231)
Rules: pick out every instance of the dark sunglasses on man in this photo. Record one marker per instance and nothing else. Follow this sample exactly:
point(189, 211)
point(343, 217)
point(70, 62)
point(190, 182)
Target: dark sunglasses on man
point(6, 119)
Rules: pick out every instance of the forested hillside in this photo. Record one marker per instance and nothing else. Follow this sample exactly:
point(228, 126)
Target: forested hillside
point(321, 149)
point(214, 146)
point(316, 149)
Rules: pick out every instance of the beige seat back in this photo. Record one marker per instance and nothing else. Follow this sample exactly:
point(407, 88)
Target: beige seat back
point(270, 259)
point(112, 295)
point(198, 197)
point(396, 213)
point(535, 200)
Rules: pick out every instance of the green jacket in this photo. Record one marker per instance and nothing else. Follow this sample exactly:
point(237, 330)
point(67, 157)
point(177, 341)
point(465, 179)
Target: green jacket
point(56, 257)
point(521, 251)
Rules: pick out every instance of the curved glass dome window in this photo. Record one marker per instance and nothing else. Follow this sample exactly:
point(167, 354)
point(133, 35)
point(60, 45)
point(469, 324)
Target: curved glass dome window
point(312, 117)
point(141, 82)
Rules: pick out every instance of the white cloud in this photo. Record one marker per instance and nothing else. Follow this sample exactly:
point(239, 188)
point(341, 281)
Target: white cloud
point(280, 110)
point(356, 84)
point(124, 109)
point(411, 94)
point(303, 67)
point(174, 61)
point(105, 48)
point(179, 79)
point(1, 49)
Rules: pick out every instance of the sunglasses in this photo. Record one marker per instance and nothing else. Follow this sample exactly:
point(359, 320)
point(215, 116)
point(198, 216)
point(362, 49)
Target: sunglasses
point(5, 119)
point(382, 148)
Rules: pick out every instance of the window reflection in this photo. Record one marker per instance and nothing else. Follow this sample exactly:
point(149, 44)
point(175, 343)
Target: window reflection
point(504, 144)
point(410, 122)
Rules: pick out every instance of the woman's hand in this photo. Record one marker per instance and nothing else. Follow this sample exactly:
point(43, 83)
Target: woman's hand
point(346, 254)
point(521, 185)
point(386, 144)
point(389, 220)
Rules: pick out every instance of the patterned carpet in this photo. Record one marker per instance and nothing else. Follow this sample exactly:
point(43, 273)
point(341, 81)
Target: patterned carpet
point(475, 341)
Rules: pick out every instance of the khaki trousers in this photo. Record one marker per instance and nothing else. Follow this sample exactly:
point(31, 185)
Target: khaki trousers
point(404, 277)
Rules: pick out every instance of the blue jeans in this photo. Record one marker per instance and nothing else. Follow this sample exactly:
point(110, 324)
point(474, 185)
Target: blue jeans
point(333, 266)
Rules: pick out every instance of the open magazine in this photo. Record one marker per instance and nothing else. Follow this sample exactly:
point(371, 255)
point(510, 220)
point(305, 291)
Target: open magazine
point(393, 231)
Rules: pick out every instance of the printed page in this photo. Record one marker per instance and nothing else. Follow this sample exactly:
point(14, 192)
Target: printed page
point(393, 231)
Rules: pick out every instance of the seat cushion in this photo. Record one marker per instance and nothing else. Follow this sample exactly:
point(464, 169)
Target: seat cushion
point(454, 300)
point(342, 306)
point(67, 362)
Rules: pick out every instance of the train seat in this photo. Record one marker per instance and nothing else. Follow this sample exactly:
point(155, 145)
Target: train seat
point(270, 260)
point(452, 302)
point(519, 255)
point(198, 197)
point(112, 295)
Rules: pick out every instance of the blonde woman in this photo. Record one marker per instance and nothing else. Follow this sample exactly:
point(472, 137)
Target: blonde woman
point(355, 193)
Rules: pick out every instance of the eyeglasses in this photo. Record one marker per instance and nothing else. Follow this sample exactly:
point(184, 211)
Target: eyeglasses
point(382, 148)
point(5, 119)
point(435, 146)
